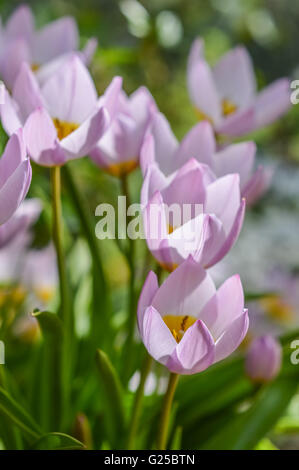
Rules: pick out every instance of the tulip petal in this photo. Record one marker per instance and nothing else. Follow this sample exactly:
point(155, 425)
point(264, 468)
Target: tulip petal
point(147, 153)
point(55, 39)
point(232, 337)
point(154, 181)
point(26, 92)
point(199, 143)
point(272, 102)
point(257, 185)
point(232, 236)
point(41, 139)
point(156, 336)
point(203, 91)
point(14, 190)
point(236, 158)
point(234, 77)
point(20, 24)
point(110, 99)
point(195, 352)
point(166, 143)
point(190, 287)
point(149, 289)
point(10, 118)
point(88, 51)
point(239, 123)
point(12, 57)
point(14, 154)
point(224, 307)
point(223, 199)
point(69, 92)
point(81, 141)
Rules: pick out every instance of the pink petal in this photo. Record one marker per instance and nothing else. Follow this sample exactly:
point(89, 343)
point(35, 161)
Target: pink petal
point(14, 154)
point(236, 158)
point(88, 51)
point(235, 78)
point(149, 289)
point(10, 118)
point(20, 24)
point(156, 336)
point(239, 123)
point(70, 93)
point(272, 102)
point(232, 337)
point(185, 291)
point(41, 139)
point(147, 153)
point(257, 185)
point(26, 92)
point(54, 39)
point(166, 143)
point(195, 352)
point(199, 143)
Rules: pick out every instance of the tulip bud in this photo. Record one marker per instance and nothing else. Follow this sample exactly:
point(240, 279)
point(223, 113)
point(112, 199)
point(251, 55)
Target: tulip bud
point(82, 431)
point(263, 361)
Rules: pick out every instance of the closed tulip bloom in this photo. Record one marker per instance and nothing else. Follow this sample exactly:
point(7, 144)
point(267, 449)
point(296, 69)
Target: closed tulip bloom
point(119, 150)
point(42, 49)
point(162, 147)
point(15, 176)
point(206, 220)
point(64, 118)
point(186, 324)
point(21, 220)
point(263, 360)
point(226, 94)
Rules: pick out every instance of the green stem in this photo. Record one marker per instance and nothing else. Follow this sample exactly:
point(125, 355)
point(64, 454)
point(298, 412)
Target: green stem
point(65, 307)
point(166, 409)
point(137, 406)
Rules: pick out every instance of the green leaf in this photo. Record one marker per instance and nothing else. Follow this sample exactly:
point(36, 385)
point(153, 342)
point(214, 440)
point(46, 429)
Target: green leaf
point(57, 441)
point(49, 380)
point(177, 439)
point(246, 429)
point(112, 391)
point(266, 444)
point(18, 415)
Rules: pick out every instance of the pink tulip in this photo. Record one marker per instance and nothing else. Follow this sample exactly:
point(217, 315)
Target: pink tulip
point(118, 151)
point(64, 118)
point(226, 94)
point(162, 147)
point(186, 324)
point(42, 49)
point(21, 220)
point(15, 176)
point(263, 361)
point(207, 231)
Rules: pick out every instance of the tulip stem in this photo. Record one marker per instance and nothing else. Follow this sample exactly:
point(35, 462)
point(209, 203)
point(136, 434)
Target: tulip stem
point(65, 310)
point(137, 406)
point(166, 410)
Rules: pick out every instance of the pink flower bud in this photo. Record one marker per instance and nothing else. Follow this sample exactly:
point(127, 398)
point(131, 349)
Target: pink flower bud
point(263, 361)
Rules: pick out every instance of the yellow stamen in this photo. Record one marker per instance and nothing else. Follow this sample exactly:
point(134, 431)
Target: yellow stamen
point(228, 107)
point(277, 308)
point(179, 324)
point(45, 294)
point(122, 168)
point(34, 67)
point(64, 128)
point(168, 267)
point(201, 116)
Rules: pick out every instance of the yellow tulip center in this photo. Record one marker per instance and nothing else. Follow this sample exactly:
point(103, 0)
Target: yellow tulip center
point(122, 168)
point(64, 128)
point(178, 324)
point(35, 67)
point(228, 107)
point(277, 308)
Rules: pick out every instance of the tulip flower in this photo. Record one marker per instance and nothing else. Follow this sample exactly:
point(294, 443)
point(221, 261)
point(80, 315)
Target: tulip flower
point(186, 324)
point(22, 219)
point(42, 49)
point(206, 220)
point(226, 94)
point(118, 151)
point(15, 176)
point(162, 147)
point(263, 360)
point(63, 119)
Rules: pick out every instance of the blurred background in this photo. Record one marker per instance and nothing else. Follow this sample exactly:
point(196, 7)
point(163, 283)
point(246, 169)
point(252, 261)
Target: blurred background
point(147, 43)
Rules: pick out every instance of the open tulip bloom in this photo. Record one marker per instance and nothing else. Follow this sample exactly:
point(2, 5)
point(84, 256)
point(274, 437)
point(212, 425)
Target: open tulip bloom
point(226, 94)
point(186, 324)
point(15, 176)
point(208, 214)
point(63, 119)
point(43, 49)
point(200, 143)
point(119, 150)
